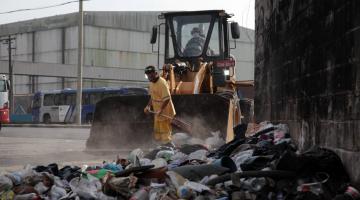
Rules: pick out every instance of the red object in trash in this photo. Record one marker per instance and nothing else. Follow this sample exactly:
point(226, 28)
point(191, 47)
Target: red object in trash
point(4, 116)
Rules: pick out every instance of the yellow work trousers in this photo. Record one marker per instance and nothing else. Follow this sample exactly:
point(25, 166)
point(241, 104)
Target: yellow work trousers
point(162, 130)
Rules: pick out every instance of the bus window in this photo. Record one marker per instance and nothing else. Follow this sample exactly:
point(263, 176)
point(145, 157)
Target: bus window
point(59, 99)
point(49, 99)
point(70, 99)
point(95, 97)
point(2, 86)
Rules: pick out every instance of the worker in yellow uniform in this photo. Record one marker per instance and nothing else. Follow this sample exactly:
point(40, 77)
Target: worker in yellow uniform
point(161, 104)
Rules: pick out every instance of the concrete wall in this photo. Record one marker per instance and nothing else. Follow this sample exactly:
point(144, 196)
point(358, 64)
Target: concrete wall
point(307, 73)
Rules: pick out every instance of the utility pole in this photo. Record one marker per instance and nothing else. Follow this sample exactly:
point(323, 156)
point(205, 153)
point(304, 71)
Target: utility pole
point(80, 64)
point(11, 71)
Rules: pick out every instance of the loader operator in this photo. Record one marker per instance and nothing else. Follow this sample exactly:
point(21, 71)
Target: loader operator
point(161, 105)
point(195, 45)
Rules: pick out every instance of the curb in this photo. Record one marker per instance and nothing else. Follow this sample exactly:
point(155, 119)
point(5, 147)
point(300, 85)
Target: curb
point(48, 125)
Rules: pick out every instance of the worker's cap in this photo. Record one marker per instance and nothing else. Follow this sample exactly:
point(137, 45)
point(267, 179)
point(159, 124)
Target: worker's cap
point(150, 69)
point(195, 30)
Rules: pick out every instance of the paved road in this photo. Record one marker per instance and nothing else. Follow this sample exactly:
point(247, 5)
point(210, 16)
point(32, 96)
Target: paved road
point(40, 146)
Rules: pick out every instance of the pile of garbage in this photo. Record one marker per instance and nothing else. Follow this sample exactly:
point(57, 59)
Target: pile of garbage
point(262, 164)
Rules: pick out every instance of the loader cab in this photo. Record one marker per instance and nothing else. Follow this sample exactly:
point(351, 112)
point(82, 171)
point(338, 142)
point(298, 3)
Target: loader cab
point(197, 34)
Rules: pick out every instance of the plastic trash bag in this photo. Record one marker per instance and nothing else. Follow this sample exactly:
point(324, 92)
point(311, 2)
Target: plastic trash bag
point(198, 187)
point(119, 185)
point(5, 183)
point(253, 184)
point(145, 161)
point(58, 182)
point(57, 192)
point(176, 179)
point(158, 193)
point(113, 167)
point(135, 156)
point(179, 156)
point(25, 196)
point(86, 188)
point(241, 157)
point(22, 174)
point(165, 154)
point(159, 162)
point(40, 188)
point(198, 155)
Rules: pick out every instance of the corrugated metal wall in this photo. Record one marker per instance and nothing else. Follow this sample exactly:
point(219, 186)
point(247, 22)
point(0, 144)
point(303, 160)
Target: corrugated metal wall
point(112, 39)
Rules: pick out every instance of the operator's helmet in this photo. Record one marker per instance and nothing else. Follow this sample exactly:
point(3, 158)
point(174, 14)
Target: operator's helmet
point(195, 30)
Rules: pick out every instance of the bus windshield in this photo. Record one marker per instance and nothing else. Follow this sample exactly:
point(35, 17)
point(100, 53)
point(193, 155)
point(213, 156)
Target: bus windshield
point(2, 86)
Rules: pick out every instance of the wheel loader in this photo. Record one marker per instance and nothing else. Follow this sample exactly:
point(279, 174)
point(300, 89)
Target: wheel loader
point(201, 76)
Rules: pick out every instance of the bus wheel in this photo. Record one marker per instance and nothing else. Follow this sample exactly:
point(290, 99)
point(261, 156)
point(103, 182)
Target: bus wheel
point(47, 119)
point(89, 118)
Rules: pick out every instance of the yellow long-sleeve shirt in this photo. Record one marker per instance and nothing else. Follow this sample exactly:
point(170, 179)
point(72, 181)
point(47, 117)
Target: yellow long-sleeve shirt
point(159, 92)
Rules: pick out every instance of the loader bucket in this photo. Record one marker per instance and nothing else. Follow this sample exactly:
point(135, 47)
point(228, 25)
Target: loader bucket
point(120, 122)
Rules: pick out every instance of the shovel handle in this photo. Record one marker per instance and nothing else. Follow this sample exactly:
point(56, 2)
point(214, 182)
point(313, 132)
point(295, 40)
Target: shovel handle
point(150, 111)
point(187, 125)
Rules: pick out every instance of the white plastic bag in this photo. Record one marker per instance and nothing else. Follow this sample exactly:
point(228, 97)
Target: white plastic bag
point(135, 156)
point(86, 189)
point(196, 186)
point(57, 192)
point(40, 188)
point(5, 183)
point(198, 155)
point(165, 154)
point(159, 162)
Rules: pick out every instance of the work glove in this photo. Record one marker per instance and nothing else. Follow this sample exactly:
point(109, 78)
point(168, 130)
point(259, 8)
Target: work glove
point(147, 110)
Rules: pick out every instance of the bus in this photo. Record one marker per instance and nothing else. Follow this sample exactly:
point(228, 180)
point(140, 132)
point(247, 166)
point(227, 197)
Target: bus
point(4, 100)
point(58, 106)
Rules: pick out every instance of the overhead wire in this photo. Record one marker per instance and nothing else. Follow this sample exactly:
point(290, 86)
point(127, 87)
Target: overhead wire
point(40, 8)
point(247, 29)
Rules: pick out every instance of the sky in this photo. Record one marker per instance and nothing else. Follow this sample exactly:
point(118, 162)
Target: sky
point(243, 10)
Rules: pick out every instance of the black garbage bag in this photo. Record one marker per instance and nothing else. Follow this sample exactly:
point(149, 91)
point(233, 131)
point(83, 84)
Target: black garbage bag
point(256, 163)
point(228, 148)
point(313, 161)
point(68, 172)
point(51, 168)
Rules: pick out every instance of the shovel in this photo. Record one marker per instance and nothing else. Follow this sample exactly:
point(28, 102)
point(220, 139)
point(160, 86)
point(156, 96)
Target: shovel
point(186, 126)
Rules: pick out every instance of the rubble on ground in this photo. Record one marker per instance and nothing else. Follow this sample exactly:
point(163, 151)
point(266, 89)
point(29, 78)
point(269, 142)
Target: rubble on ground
point(261, 163)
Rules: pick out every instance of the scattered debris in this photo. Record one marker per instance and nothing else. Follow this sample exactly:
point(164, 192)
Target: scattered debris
point(263, 165)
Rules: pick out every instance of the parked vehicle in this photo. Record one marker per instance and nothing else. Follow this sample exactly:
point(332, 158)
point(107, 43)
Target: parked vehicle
point(4, 100)
point(58, 106)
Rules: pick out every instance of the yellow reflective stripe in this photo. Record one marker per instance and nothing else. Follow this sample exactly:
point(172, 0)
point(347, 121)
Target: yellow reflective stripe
point(163, 99)
point(156, 100)
point(166, 98)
